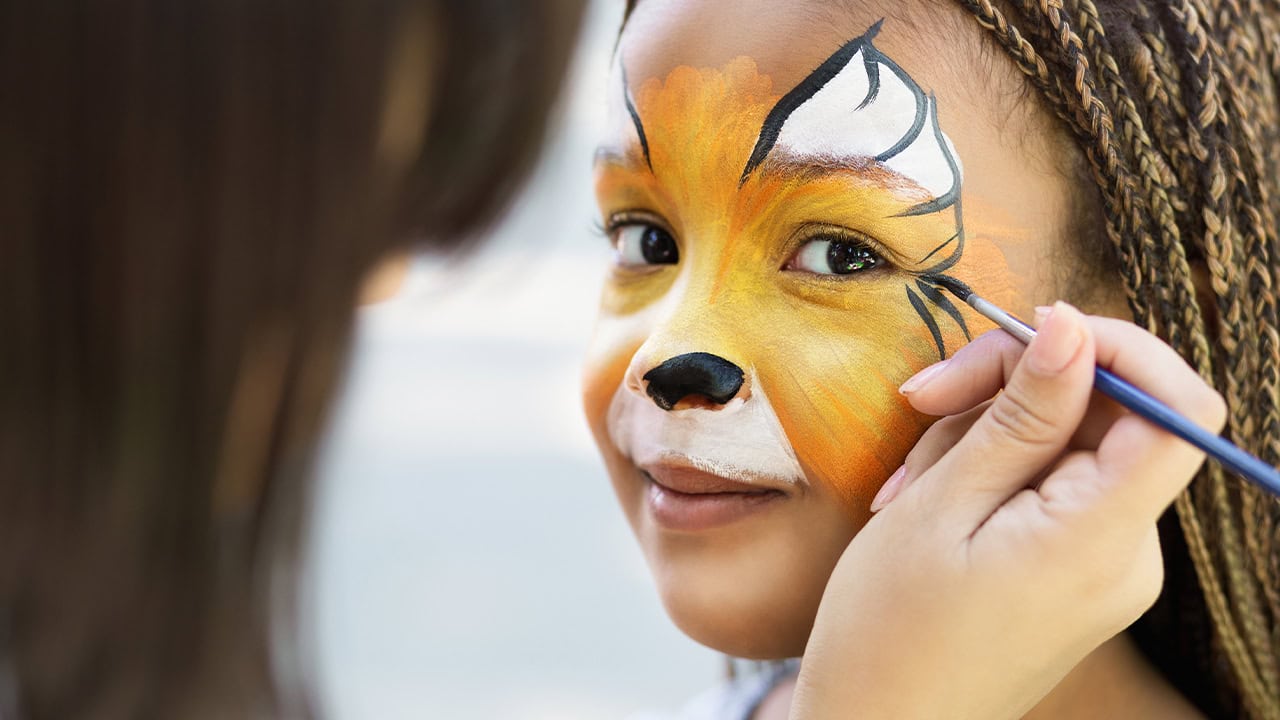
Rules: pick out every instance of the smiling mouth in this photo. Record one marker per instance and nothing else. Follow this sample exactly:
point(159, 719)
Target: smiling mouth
point(686, 499)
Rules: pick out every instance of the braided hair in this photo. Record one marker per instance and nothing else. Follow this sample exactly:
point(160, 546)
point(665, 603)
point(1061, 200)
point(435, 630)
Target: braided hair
point(1174, 106)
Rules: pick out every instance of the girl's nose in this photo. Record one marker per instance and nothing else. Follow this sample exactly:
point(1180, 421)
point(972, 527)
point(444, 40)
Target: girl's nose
point(702, 378)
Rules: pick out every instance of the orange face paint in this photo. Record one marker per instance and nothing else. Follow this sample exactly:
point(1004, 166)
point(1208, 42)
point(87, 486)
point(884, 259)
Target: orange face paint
point(743, 187)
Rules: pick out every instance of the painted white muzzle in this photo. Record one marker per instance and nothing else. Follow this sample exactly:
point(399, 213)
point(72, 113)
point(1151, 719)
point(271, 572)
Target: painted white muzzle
point(741, 440)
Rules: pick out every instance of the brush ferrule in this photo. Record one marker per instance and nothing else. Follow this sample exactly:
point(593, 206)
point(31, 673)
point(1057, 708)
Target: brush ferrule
point(1007, 322)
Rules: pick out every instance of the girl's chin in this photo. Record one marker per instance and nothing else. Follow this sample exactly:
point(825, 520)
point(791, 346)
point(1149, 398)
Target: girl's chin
point(753, 631)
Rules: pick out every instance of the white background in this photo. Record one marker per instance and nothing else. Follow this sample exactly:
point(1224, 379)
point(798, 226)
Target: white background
point(469, 560)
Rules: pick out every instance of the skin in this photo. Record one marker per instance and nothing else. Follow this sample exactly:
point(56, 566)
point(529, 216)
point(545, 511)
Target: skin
point(830, 351)
point(1041, 544)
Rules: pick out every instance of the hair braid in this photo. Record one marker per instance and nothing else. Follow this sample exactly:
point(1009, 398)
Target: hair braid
point(1157, 72)
point(1242, 35)
point(1249, 370)
point(1157, 180)
point(1176, 109)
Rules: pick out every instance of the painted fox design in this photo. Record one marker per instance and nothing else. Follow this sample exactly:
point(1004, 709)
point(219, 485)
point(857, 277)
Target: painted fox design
point(859, 104)
point(711, 184)
point(861, 107)
point(782, 202)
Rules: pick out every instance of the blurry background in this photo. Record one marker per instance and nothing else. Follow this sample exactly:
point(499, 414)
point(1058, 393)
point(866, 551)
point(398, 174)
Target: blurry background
point(469, 560)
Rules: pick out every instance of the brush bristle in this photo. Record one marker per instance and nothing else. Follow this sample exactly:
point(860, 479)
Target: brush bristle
point(956, 287)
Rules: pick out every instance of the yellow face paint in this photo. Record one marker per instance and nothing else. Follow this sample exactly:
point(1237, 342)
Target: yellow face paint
point(828, 350)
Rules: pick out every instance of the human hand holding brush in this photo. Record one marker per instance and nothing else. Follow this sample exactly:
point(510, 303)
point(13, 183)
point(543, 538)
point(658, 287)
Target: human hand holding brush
point(1019, 537)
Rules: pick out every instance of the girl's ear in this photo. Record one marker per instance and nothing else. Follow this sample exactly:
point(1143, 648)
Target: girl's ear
point(1205, 298)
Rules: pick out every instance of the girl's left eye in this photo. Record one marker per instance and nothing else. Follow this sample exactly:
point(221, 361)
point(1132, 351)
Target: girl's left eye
point(825, 256)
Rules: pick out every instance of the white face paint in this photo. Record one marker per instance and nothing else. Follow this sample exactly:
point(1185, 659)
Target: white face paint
point(858, 107)
point(741, 440)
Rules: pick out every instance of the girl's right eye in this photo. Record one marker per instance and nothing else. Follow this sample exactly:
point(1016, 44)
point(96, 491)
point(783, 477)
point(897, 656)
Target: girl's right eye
point(640, 244)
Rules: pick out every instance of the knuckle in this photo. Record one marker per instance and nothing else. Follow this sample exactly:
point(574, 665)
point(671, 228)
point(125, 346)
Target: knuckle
point(1016, 417)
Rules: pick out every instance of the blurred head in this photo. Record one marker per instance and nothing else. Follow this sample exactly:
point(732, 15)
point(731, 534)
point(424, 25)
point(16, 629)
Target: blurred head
point(191, 195)
point(783, 183)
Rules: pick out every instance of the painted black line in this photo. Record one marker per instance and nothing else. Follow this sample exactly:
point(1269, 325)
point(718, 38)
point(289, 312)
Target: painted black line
point(922, 109)
point(940, 299)
point(952, 195)
point(950, 260)
point(929, 322)
point(800, 94)
point(938, 249)
point(635, 118)
point(871, 63)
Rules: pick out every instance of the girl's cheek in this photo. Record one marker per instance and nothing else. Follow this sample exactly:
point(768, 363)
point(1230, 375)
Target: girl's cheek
point(837, 399)
point(613, 344)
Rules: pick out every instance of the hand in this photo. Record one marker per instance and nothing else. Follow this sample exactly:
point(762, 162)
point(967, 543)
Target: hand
point(1019, 536)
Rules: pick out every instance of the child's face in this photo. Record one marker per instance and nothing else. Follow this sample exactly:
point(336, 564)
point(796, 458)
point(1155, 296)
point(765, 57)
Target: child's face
point(781, 189)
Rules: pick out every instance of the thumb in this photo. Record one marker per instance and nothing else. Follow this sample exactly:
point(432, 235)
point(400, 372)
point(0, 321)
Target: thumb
point(1027, 426)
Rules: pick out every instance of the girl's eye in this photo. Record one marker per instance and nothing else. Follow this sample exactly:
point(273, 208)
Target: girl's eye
point(640, 244)
point(834, 257)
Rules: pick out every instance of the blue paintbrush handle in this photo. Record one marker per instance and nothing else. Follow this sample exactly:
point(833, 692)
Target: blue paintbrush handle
point(1232, 458)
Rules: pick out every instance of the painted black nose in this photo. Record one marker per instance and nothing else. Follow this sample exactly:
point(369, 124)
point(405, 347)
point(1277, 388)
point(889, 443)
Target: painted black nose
point(699, 373)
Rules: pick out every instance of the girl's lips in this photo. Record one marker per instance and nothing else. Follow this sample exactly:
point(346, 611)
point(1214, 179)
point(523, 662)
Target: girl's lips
point(690, 500)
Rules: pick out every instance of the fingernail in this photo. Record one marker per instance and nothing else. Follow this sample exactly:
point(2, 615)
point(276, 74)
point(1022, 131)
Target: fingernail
point(1058, 340)
point(889, 490)
point(1042, 312)
point(922, 378)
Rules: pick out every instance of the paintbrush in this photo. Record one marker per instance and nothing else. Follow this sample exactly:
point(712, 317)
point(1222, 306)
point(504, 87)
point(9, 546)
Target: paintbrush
point(1230, 456)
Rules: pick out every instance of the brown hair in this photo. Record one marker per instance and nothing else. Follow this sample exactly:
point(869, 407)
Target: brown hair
point(190, 195)
point(1174, 106)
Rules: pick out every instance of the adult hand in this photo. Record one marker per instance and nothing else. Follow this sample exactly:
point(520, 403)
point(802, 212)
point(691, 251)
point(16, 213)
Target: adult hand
point(1020, 535)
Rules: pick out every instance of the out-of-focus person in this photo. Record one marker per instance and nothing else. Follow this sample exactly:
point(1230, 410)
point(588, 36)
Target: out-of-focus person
point(190, 196)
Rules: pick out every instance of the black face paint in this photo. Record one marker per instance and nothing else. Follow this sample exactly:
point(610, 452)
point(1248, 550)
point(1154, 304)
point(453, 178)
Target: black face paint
point(947, 253)
point(928, 320)
point(937, 297)
point(699, 373)
point(635, 119)
point(808, 87)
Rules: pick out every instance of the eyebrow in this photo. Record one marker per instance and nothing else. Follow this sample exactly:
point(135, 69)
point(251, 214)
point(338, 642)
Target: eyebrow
point(613, 155)
point(781, 165)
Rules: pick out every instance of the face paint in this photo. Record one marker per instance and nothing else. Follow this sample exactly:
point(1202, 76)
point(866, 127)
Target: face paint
point(741, 441)
point(859, 104)
point(807, 230)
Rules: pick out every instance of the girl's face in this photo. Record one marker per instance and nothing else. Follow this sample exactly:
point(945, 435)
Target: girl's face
point(782, 188)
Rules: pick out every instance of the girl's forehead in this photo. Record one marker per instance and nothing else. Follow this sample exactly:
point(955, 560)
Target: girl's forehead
point(787, 40)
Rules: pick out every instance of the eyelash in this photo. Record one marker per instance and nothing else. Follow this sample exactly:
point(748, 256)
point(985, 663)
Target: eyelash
point(884, 258)
point(608, 228)
point(624, 218)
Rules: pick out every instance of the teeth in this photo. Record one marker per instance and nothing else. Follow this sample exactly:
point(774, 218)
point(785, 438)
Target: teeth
point(741, 441)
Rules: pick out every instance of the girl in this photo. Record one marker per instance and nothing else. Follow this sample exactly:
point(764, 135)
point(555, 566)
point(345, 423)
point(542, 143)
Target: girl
point(785, 183)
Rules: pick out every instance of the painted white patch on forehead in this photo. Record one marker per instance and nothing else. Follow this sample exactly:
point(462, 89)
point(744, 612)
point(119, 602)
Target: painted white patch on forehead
point(859, 106)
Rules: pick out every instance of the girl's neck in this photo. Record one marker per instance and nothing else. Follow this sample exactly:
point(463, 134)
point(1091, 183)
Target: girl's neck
point(1115, 680)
